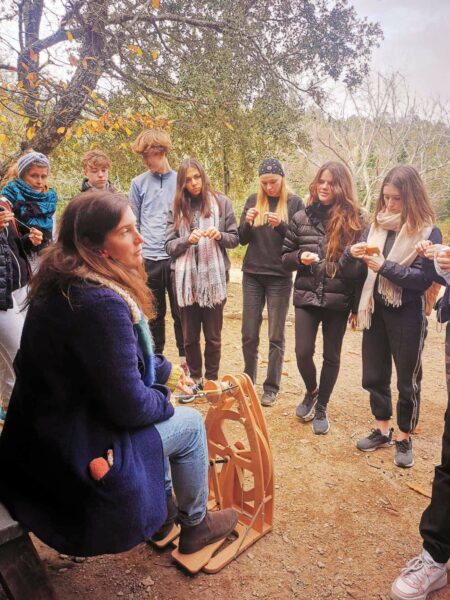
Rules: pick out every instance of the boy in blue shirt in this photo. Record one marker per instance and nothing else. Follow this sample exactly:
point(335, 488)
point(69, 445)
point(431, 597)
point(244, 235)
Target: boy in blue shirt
point(151, 196)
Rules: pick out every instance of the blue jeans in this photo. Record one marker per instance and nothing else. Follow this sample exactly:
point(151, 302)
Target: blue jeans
point(185, 448)
point(256, 290)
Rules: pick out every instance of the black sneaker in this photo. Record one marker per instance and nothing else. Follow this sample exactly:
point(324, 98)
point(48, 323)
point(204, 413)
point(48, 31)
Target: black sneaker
point(375, 440)
point(305, 410)
point(403, 454)
point(321, 424)
point(268, 399)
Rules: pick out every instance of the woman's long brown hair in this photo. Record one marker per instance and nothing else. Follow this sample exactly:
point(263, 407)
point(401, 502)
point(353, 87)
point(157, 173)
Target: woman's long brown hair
point(86, 221)
point(182, 211)
point(417, 211)
point(345, 224)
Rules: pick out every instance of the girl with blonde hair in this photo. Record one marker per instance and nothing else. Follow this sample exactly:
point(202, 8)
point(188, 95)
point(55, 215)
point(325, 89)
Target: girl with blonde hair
point(263, 225)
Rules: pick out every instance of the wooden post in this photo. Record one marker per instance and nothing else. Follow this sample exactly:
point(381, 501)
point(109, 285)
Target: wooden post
point(22, 573)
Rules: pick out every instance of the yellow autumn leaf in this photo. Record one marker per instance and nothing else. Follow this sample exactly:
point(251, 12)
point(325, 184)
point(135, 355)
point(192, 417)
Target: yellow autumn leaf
point(155, 54)
point(3, 119)
point(70, 36)
point(31, 132)
point(155, 4)
point(135, 49)
point(229, 126)
point(61, 130)
point(3, 138)
point(79, 132)
point(128, 131)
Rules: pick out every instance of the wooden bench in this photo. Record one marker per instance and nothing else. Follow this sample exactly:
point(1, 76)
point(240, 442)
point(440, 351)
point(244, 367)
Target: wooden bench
point(22, 574)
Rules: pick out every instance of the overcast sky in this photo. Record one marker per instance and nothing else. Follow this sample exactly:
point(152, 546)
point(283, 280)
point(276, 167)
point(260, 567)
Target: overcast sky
point(416, 42)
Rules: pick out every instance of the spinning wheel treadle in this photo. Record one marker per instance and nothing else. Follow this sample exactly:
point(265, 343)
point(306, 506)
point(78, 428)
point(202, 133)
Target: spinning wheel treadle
point(241, 471)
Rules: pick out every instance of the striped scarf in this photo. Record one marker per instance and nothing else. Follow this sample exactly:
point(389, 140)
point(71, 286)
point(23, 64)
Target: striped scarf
point(200, 275)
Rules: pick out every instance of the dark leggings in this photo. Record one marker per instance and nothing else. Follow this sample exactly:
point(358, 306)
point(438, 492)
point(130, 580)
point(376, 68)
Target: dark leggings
point(334, 324)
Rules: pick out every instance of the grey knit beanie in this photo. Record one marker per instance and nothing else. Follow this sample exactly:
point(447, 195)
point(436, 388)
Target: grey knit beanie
point(32, 158)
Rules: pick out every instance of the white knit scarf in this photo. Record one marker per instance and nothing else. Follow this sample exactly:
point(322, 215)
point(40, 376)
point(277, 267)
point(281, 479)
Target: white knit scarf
point(201, 281)
point(402, 252)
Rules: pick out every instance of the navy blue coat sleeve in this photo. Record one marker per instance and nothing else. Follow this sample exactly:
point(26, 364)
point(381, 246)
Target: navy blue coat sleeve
point(105, 347)
point(414, 277)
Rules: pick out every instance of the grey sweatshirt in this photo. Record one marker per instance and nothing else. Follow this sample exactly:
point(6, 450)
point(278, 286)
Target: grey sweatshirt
point(151, 197)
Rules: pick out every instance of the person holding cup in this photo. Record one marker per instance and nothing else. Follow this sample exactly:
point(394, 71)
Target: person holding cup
point(263, 225)
point(201, 226)
point(314, 243)
point(391, 310)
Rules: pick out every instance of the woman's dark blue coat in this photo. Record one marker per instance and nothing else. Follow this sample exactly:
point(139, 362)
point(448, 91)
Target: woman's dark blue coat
point(79, 392)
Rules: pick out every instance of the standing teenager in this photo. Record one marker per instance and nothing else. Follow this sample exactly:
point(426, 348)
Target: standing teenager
point(14, 277)
point(392, 307)
point(201, 227)
point(32, 201)
point(314, 243)
point(427, 572)
point(151, 196)
point(263, 225)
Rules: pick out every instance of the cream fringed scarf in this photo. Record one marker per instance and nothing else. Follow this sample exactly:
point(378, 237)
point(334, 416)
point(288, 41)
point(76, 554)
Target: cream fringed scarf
point(402, 252)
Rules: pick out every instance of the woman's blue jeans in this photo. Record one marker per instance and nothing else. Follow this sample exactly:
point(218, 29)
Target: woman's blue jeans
point(185, 449)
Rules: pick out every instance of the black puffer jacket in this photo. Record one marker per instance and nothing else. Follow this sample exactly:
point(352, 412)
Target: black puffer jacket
point(314, 285)
point(14, 268)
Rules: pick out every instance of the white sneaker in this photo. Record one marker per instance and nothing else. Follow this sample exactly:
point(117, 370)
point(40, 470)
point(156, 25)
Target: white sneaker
point(421, 576)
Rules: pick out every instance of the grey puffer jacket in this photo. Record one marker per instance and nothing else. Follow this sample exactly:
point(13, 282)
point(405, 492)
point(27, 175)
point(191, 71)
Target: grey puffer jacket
point(316, 285)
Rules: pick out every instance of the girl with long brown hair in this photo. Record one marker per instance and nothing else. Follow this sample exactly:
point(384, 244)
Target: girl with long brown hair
point(201, 227)
point(314, 243)
point(90, 424)
point(391, 310)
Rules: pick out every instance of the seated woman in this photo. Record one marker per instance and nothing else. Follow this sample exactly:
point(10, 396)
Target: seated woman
point(87, 384)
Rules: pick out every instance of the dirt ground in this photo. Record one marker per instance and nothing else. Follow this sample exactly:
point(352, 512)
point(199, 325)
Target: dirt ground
point(345, 521)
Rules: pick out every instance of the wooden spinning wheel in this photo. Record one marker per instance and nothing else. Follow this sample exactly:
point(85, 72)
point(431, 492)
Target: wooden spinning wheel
point(240, 473)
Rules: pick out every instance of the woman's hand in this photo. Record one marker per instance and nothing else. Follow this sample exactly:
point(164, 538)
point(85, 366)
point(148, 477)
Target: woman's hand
point(358, 250)
point(185, 384)
point(273, 219)
point(251, 215)
point(421, 248)
point(35, 236)
point(309, 258)
point(443, 259)
point(5, 217)
point(353, 321)
point(374, 262)
point(213, 233)
point(195, 236)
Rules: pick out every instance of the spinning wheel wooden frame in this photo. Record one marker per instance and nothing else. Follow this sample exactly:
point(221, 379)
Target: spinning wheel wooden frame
point(240, 473)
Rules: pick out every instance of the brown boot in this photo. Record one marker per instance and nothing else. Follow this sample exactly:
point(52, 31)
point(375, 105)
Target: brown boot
point(215, 526)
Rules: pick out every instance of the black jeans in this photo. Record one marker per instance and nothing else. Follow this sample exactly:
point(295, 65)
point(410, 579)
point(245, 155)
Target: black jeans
point(159, 281)
point(256, 290)
point(435, 523)
point(334, 324)
point(399, 334)
point(193, 319)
